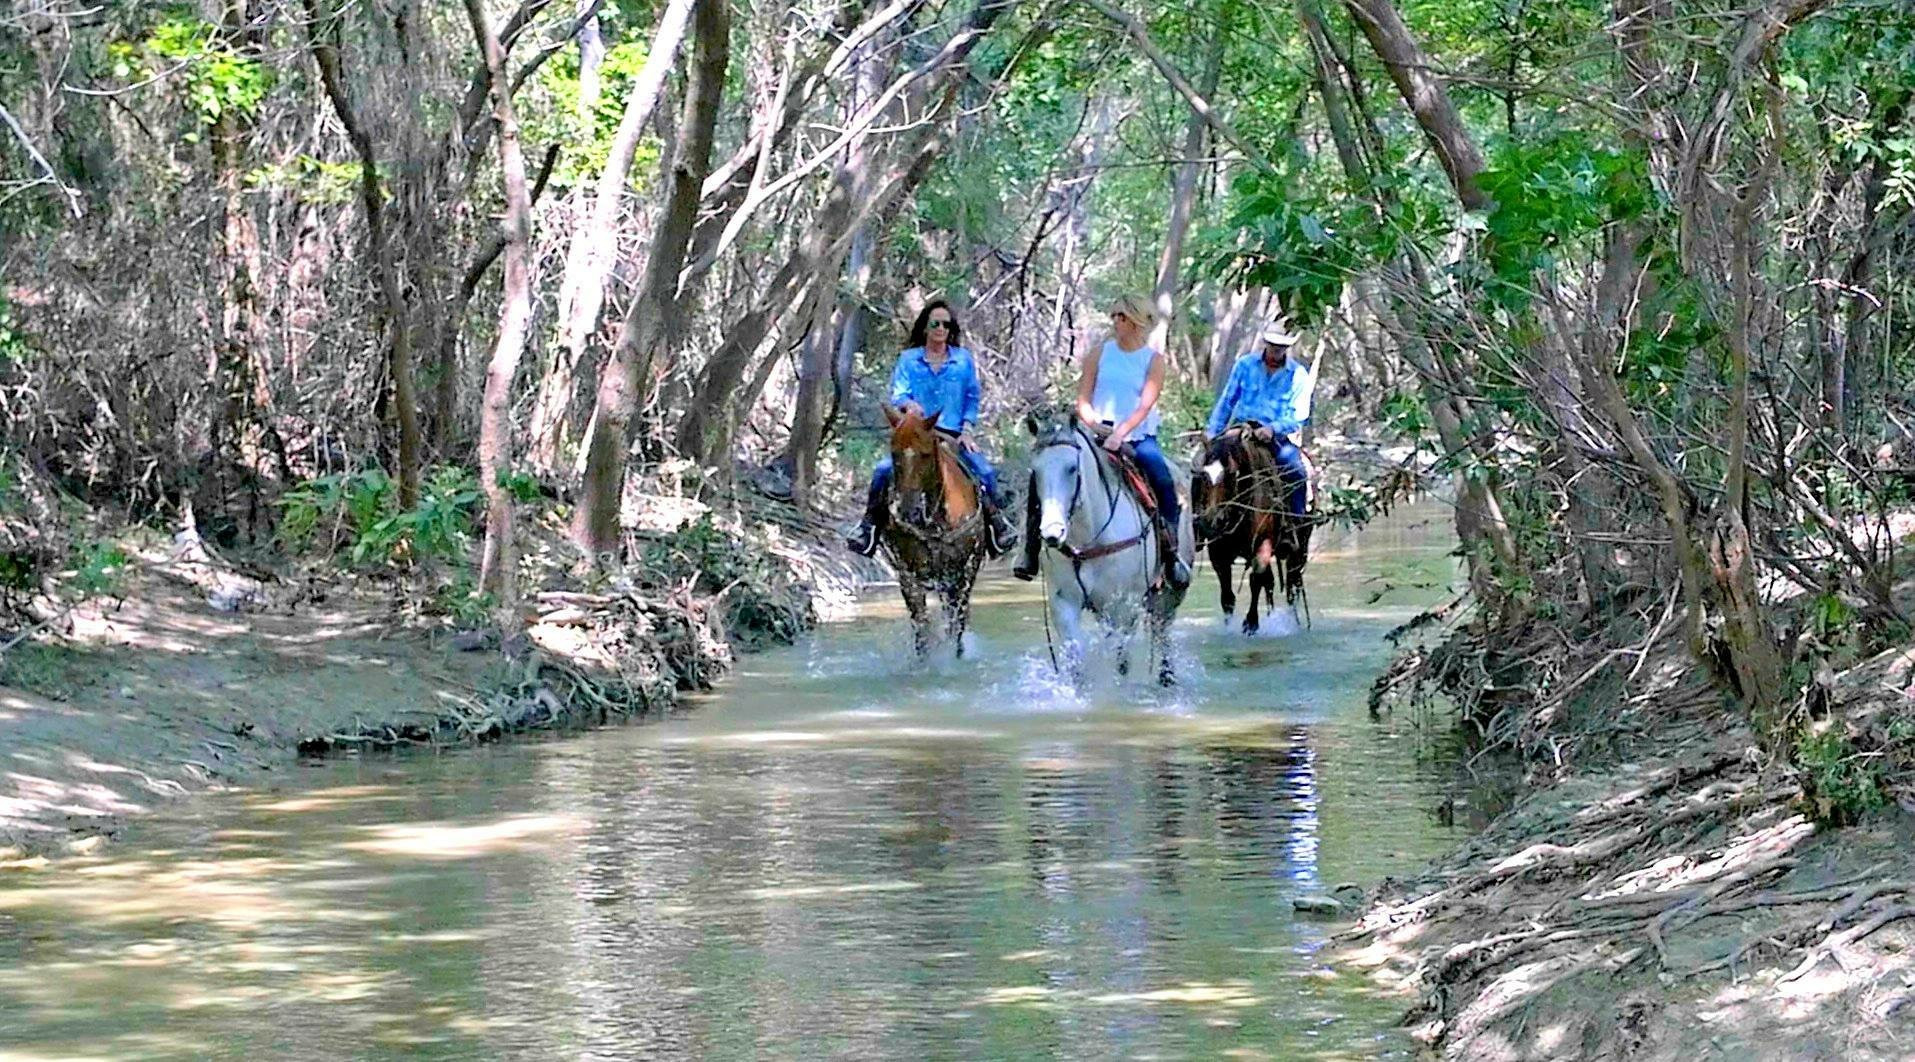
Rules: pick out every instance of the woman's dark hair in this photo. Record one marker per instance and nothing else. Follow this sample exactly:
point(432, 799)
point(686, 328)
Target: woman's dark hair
point(921, 326)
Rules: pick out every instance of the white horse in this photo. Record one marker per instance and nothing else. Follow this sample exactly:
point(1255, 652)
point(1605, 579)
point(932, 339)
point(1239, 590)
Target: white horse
point(1101, 550)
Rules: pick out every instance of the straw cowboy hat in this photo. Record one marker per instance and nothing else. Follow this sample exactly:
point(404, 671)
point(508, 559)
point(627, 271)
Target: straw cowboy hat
point(1278, 332)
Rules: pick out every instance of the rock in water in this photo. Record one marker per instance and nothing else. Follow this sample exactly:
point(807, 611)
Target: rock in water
point(1319, 906)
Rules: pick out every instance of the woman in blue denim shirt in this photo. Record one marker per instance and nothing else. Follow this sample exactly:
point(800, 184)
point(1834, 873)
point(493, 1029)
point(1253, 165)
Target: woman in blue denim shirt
point(936, 374)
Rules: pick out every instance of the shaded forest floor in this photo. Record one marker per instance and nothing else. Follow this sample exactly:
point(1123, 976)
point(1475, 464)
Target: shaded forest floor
point(1664, 888)
point(193, 673)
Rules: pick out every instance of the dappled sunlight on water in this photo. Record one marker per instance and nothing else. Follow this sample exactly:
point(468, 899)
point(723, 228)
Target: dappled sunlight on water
point(843, 853)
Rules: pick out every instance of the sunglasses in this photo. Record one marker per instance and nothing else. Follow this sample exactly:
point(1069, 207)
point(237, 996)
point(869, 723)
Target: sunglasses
point(935, 323)
point(1120, 316)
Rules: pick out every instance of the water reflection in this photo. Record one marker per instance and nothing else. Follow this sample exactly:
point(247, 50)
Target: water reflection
point(834, 858)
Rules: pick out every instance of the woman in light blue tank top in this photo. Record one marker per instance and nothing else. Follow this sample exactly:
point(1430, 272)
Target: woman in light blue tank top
point(1118, 390)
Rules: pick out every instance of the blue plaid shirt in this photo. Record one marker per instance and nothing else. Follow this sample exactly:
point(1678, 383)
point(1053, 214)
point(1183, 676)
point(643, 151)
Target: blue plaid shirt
point(1279, 400)
point(951, 392)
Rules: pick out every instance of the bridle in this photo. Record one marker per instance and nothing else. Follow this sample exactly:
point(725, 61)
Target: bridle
point(938, 533)
point(1078, 556)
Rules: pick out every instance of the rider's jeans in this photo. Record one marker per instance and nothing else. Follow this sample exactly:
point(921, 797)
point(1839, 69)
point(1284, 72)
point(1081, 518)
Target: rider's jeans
point(1163, 482)
point(1291, 470)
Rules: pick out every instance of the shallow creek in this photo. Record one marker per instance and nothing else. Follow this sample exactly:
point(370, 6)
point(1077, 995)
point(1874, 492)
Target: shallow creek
point(836, 855)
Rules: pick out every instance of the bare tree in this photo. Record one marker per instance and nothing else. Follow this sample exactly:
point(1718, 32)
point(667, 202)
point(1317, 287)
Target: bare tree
point(496, 565)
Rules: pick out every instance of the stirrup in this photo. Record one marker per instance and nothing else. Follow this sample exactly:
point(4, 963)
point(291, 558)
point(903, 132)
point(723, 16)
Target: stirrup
point(999, 536)
point(864, 540)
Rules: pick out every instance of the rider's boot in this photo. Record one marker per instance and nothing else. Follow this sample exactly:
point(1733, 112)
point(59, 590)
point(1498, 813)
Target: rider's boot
point(1026, 566)
point(863, 540)
point(1178, 570)
point(1002, 537)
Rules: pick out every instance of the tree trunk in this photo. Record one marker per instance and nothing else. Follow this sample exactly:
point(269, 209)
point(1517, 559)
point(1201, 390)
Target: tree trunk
point(591, 56)
point(371, 199)
point(588, 265)
point(820, 355)
point(653, 319)
point(1415, 78)
point(497, 566)
point(1183, 198)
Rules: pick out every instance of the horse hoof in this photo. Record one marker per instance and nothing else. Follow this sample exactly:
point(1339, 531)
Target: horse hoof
point(1250, 626)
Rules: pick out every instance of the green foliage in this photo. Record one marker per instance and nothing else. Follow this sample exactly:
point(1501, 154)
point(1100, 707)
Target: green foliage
point(1551, 193)
point(1304, 248)
point(553, 115)
point(522, 487)
point(348, 502)
point(1406, 415)
point(699, 552)
point(214, 79)
point(461, 602)
point(100, 568)
point(1840, 783)
point(14, 346)
point(312, 180)
point(358, 512)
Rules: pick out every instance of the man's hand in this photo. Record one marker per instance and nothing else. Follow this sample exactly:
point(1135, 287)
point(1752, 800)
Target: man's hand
point(964, 441)
point(1113, 442)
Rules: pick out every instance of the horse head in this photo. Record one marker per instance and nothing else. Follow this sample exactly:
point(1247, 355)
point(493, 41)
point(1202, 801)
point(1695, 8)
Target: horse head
point(914, 456)
point(1055, 468)
point(1213, 482)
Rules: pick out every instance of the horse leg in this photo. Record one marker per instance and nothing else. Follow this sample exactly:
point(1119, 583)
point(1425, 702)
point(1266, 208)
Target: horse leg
point(913, 592)
point(1222, 562)
point(1066, 616)
point(957, 605)
point(1160, 645)
point(1261, 578)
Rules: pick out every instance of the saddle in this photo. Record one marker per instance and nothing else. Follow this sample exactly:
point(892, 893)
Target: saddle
point(1132, 473)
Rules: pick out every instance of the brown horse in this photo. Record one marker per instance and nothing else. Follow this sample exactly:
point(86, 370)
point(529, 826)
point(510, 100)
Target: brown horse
point(935, 534)
point(1238, 498)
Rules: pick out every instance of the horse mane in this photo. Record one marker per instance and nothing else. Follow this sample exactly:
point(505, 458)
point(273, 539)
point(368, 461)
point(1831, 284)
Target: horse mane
point(960, 496)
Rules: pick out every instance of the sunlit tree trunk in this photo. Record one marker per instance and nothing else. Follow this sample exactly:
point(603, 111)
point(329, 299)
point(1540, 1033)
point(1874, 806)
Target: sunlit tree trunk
point(588, 264)
point(653, 321)
point(497, 565)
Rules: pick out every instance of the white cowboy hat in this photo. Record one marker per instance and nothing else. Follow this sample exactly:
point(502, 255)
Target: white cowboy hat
point(1278, 332)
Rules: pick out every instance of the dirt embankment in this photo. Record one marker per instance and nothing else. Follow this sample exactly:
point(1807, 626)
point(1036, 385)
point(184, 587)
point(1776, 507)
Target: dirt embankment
point(191, 675)
point(1665, 889)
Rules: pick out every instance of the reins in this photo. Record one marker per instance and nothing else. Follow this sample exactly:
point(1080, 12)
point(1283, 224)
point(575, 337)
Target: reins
point(1098, 550)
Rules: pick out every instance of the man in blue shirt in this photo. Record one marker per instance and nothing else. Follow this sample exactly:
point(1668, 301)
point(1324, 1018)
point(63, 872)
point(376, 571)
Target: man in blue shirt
point(1272, 388)
point(936, 374)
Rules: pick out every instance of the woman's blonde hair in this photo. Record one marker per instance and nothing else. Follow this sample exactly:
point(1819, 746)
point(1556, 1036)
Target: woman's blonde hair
point(1137, 308)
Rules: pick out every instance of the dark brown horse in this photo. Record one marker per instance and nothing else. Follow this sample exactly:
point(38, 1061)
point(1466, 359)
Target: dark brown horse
point(935, 534)
point(1237, 498)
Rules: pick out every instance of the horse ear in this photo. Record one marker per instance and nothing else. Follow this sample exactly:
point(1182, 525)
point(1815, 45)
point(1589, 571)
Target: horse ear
point(1030, 422)
point(891, 414)
point(931, 415)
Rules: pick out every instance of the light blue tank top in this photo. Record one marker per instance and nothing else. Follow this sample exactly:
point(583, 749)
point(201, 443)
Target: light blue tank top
point(1120, 384)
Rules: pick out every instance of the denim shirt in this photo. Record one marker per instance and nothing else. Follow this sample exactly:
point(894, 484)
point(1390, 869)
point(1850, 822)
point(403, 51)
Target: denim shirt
point(951, 392)
point(1278, 400)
